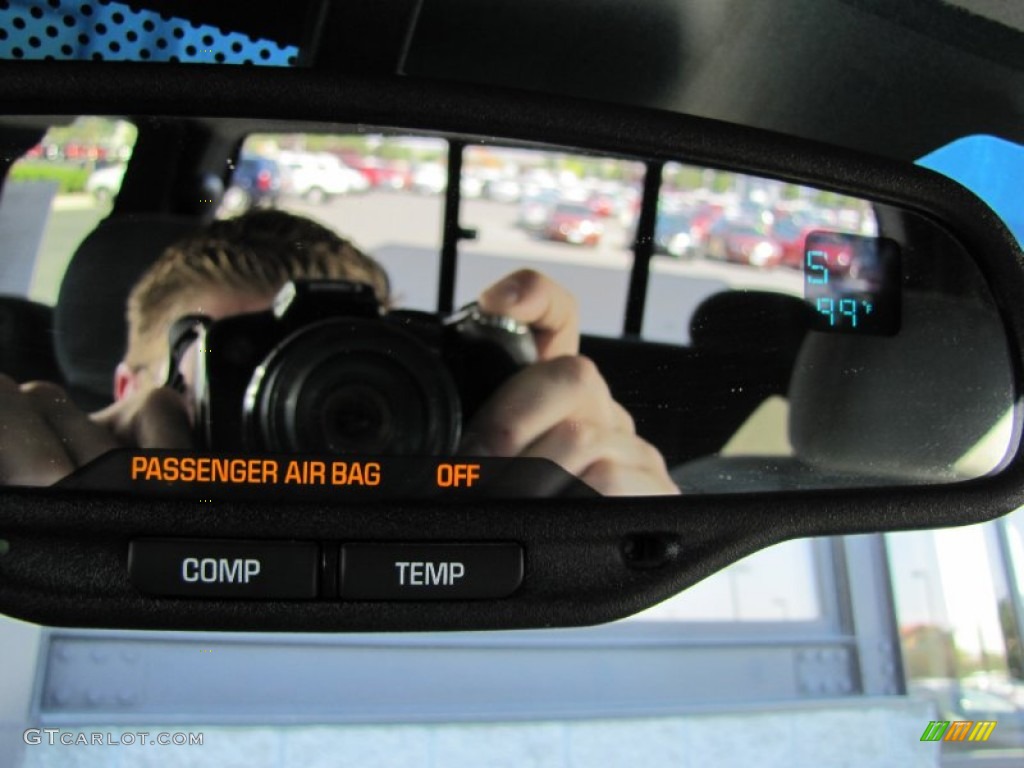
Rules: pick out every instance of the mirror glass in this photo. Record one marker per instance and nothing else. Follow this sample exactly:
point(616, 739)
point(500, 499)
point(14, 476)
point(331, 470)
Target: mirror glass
point(217, 309)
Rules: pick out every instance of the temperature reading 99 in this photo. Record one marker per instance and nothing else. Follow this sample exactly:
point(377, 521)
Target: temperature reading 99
point(845, 311)
point(853, 283)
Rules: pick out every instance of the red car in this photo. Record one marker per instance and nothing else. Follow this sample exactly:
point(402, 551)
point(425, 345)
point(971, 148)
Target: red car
point(791, 237)
point(601, 204)
point(744, 243)
point(703, 219)
point(378, 173)
point(574, 223)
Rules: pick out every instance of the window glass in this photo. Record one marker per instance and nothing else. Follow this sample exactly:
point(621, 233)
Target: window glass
point(562, 214)
point(1015, 526)
point(946, 599)
point(1011, 608)
point(957, 627)
point(384, 193)
point(54, 196)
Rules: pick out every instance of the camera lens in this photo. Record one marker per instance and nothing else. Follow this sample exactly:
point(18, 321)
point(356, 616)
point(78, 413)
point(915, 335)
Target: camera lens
point(352, 386)
point(357, 420)
point(354, 402)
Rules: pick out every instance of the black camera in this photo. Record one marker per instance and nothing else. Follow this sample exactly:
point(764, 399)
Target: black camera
point(326, 370)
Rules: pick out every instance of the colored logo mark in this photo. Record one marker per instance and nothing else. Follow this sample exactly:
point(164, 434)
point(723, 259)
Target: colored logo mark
point(958, 730)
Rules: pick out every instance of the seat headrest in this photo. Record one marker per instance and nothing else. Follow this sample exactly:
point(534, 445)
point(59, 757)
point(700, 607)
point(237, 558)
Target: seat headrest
point(89, 319)
point(873, 411)
point(26, 340)
point(748, 322)
point(908, 406)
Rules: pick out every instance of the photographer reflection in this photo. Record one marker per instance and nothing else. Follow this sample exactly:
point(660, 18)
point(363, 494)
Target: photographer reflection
point(558, 408)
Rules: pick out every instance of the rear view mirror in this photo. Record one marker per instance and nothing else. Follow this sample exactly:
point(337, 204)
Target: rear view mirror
point(766, 328)
point(784, 343)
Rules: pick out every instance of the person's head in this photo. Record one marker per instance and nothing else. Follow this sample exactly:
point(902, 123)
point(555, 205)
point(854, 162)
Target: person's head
point(229, 267)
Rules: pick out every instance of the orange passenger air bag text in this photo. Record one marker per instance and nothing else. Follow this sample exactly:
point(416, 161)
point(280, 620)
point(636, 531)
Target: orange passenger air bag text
point(210, 469)
point(203, 469)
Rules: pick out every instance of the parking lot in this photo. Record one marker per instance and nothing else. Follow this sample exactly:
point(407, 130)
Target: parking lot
point(403, 231)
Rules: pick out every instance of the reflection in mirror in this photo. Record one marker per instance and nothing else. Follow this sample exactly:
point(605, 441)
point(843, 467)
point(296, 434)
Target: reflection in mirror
point(564, 214)
point(257, 317)
point(879, 356)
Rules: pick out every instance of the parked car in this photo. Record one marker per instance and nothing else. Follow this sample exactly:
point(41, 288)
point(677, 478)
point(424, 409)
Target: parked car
point(704, 217)
point(535, 210)
point(378, 173)
point(742, 242)
point(673, 234)
point(791, 235)
point(503, 190)
point(791, 231)
point(256, 183)
point(104, 183)
point(574, 223)
point(430, 179)
point(602, 204)
point(318, 177)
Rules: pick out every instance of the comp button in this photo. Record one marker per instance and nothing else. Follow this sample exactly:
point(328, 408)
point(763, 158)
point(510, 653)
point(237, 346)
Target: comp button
point(430, 571)
point(253, 570)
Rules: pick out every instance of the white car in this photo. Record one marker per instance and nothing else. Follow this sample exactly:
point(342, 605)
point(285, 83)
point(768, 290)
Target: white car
point(105, 183)
point(430, 179)
point(319, 177)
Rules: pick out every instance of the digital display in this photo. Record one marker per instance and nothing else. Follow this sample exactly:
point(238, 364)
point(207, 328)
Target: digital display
point(853, 283)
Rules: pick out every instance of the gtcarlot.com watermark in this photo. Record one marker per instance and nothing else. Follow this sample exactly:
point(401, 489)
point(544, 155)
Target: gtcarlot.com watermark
point(57, 736)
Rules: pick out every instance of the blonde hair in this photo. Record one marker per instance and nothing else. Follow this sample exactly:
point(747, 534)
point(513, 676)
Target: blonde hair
point(255, 253)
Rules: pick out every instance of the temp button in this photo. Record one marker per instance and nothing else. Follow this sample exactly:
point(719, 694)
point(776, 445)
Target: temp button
point(253, 570)
point(430, 571)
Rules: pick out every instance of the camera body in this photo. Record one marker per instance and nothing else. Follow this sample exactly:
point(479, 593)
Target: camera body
point(326, 370)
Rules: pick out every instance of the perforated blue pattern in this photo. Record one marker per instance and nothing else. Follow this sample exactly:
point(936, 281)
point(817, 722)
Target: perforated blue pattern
point(108, 31)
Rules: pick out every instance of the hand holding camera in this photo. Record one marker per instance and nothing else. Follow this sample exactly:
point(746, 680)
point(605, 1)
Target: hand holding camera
point(560, 408)
point(492, 401)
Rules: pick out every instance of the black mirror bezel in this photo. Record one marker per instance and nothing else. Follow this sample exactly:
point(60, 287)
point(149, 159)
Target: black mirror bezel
point(67, 557)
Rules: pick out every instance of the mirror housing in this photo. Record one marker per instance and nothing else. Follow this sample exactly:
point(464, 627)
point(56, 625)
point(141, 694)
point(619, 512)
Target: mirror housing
point(549, 562)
